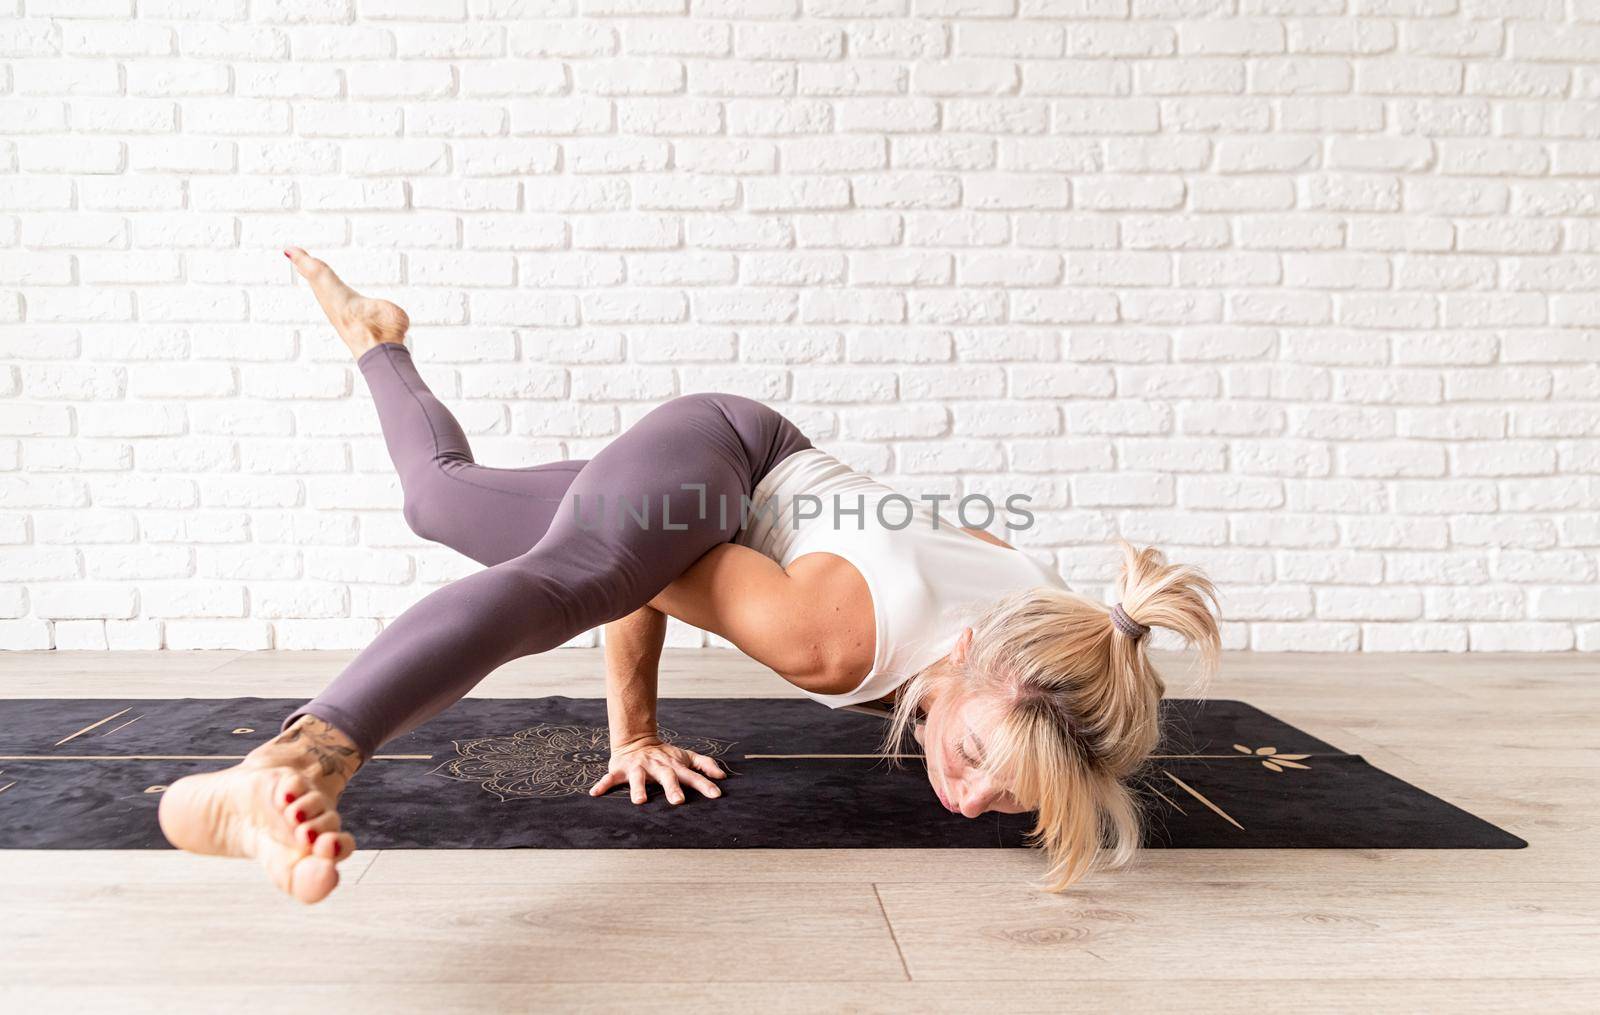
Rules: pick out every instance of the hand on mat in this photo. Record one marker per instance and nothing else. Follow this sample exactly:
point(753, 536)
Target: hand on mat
point(651, 760)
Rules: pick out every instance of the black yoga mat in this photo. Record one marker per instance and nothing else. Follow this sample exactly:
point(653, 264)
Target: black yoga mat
point(505, 772)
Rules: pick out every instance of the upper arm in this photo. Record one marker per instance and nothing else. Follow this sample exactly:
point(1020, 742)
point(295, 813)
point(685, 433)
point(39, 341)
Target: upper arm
point(744, 596)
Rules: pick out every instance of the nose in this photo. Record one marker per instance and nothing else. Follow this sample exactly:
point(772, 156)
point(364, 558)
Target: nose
point(974, 804)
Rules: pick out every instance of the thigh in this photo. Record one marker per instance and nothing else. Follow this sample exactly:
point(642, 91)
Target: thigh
point(653, 501)
point(491, 515)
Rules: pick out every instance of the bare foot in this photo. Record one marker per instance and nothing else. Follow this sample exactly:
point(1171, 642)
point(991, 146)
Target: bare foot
point(279, 813)
point(361, 321)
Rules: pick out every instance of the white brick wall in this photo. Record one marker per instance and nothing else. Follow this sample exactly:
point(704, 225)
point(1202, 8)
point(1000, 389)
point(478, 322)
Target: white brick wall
point(1304, 292)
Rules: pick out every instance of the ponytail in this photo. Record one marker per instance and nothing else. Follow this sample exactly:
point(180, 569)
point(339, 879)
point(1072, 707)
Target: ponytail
point(1177, 597)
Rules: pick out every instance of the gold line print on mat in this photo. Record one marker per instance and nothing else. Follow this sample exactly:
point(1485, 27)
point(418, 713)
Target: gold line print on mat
point(1168, 799)
point(91, 726)
point(1198, 796)
point(6, 786)
point(802, 757)
point(548, 760)
point(244, 729)
point(130, 722)
point(1270, 758)
point(177, 757)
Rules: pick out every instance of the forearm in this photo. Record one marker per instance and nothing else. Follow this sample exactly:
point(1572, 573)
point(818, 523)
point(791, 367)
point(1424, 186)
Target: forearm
point(633, 660)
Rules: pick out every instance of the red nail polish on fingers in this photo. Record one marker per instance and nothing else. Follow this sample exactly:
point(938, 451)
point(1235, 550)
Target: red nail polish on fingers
point(299, 815)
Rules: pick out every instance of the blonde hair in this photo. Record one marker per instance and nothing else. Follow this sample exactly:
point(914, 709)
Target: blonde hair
point(1079, 703)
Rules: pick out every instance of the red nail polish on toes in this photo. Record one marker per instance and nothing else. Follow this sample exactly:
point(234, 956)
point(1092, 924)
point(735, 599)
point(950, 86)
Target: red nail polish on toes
point(288, 798)
point(299, 815)
point(336, 849)
point(311, 835)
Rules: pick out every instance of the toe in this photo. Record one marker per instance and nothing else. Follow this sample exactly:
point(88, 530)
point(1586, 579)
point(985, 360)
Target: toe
point(312, 878)
point(307, 815)
point(316, 828)
point(288, 786)
point(336, 847)
point(295, 814)
point(289, 792)
point(303, 262)
point(306, 807)
point(306, 876)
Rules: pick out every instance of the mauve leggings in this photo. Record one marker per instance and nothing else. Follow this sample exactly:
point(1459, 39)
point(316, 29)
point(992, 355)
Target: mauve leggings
point(552, 573)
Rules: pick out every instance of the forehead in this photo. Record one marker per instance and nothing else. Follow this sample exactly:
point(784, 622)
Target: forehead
point(979, 714)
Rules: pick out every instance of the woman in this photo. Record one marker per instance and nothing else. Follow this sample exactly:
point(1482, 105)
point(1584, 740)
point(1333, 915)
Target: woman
point(1024, 695)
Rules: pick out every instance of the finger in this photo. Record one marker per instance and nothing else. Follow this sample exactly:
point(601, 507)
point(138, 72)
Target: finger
point(707, 765)
point(607, 781)
point(669, 782)
point(700, 782)
point(636, 781)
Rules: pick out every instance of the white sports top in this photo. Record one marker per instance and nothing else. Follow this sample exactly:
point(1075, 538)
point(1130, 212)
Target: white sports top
point(925, 582)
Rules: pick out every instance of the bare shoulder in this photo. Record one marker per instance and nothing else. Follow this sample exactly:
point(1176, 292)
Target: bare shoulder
point(987, 538)
point(833, 623)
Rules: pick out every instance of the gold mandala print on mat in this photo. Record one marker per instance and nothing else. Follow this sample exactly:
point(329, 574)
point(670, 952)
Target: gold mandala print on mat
point(549, 761)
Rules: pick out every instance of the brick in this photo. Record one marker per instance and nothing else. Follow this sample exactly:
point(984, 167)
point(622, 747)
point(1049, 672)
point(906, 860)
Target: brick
point(218, 634)
point(1305, 637)
point(1403, 637)
point(80, 635)
point(82, 601)
point(133, 635)
point(24, 635)
point(1520, 637)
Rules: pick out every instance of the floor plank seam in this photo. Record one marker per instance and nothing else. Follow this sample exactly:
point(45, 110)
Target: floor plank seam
point(368, 868)
point(232, 658)
point(888, 923)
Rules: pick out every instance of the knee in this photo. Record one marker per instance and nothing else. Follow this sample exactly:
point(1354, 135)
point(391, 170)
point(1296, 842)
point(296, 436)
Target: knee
point(420, 518)
point(423, 508)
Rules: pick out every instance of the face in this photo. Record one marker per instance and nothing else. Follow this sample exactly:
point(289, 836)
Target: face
point(954, 737)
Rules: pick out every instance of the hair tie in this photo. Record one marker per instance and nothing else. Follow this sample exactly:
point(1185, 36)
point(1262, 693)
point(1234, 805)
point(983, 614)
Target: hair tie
point(1126, 624)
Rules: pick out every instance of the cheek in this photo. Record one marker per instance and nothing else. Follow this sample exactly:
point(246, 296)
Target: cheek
point(954, 768)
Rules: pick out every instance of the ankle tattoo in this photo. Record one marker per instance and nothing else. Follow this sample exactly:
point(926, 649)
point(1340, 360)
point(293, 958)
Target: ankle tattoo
point(322, 742)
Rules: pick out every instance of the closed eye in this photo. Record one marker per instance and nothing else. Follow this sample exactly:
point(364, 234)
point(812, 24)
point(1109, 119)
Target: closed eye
point(962, 751)
point(977, 744)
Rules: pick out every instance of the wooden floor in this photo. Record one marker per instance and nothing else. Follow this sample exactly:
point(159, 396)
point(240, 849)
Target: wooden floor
point(1512, 738)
